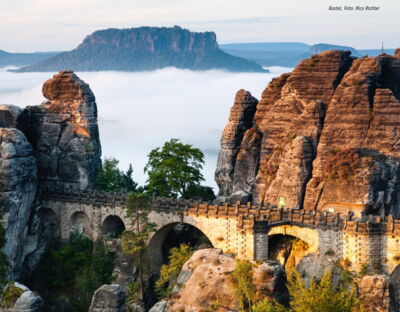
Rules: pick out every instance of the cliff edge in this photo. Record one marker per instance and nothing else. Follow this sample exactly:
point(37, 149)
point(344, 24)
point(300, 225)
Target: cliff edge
point(325, 136)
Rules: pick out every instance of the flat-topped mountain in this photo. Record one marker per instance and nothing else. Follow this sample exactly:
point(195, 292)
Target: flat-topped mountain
point(146, 48)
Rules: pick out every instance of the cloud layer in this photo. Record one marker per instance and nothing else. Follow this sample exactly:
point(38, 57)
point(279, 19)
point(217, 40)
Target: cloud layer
point(140, 111)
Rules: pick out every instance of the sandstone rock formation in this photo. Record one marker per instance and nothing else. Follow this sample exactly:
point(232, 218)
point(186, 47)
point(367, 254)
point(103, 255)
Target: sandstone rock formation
point(108, 298)
point(206, 281)
point(235, 175)
point(374, 290)
point(64, 133)
point(325, 136)
point(17, 192)
point(56, 143)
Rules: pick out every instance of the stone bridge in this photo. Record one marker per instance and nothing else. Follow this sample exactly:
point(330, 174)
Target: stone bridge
point(240, 229)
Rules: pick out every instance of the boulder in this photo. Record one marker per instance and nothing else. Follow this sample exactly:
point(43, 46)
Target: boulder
point(108, 298)
point(18, 298)
point(159, 306)
point(28, 302)
point(206, 283)
point(375, 292)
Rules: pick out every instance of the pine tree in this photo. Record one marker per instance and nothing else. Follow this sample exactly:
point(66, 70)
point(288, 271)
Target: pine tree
point(134, 242)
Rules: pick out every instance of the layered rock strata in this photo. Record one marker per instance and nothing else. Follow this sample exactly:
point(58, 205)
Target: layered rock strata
point(64, 132)
point(325, 136)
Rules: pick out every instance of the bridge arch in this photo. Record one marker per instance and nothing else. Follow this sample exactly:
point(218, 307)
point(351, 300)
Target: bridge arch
point(80, 222)
point(166, 237)
point(308, 235)
point(112, 226)
point(50, 224)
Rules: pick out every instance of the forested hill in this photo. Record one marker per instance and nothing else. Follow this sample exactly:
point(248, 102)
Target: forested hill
point(23, 59)
point(146, 48)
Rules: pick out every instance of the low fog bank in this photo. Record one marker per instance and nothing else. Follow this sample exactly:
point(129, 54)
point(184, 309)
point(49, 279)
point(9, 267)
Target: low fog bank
point(140, 111)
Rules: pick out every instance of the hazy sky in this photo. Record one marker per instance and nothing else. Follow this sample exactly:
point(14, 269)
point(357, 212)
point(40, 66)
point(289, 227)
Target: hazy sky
point(44, 25)
point(140, 111)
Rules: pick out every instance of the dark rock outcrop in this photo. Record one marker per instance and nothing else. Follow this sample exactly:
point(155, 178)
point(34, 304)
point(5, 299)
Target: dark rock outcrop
point(146, 48)
point(64, 132)
point(17, 191)
point(327, 138)
point(108, 298)
point(9, 115)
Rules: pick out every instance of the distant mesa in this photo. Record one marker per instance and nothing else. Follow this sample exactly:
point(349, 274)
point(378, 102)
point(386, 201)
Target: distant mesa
point(146, 48)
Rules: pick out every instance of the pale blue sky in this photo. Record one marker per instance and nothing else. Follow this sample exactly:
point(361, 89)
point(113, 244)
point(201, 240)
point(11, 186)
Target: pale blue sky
point(44, 25)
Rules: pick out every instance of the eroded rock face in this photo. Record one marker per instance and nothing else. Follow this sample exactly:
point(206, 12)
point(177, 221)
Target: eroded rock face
point(325, 136)
point(64, 133)
point(375, 292)
point(206, 281)
point(17, 191)
point(357, 163)
point(108, 298)
point(231, 167)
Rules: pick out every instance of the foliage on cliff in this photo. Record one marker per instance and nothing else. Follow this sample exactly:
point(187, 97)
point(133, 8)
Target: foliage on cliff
point(111, 179)
point(243, 284)
point(169, 272)
point(321, 296)
point(70, 271)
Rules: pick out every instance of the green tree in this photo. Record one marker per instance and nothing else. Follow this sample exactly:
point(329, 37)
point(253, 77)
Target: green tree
point(134, 242)
point(322, 296)
point(243, 284)
point(169, 272)
point(199, 192)
point(268, 305)
point(4, 265)
point(70, 271)
point(175, 170)
point(111, 179)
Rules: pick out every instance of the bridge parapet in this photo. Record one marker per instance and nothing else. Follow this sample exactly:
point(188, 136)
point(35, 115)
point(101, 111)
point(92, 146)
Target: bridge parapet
point(246, 215)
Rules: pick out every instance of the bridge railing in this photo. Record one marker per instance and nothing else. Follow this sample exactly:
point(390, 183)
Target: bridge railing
point(247, 215)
